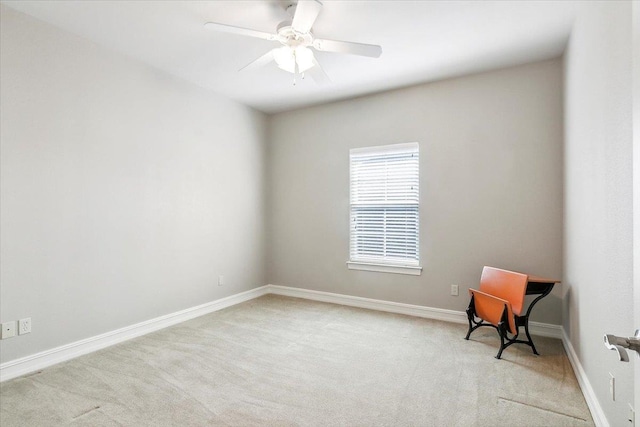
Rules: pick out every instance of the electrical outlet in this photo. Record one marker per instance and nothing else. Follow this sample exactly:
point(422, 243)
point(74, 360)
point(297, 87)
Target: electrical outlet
point(220, 280)
point(612, 386)
point(24, 326)
point(454, 290)
point(8, 330)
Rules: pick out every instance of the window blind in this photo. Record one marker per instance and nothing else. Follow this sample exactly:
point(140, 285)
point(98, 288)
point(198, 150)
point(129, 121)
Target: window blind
point(384, 204)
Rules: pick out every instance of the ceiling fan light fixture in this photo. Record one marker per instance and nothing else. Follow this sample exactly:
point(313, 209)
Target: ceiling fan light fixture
point(305, 59)
point(286, 57)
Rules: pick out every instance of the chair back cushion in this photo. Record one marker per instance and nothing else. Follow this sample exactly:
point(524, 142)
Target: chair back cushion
point(506, 285)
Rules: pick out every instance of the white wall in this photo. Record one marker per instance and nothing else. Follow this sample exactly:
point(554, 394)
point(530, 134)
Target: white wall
point(598, 250)
point(125, 191)
point(491, 185)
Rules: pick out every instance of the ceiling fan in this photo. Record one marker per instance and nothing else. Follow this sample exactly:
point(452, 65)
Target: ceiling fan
point(297, 39)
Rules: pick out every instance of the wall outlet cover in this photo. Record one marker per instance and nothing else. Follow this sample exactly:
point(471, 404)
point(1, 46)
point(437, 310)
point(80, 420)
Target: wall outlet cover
point(24, 326)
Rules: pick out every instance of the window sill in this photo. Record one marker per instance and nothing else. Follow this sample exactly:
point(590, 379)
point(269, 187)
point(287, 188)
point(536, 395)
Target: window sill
point(385, 268)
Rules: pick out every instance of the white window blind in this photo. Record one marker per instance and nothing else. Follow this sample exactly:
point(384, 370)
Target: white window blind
point(385, 205)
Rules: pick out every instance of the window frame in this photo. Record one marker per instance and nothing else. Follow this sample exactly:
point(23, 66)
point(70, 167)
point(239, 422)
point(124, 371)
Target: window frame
point(410, 267)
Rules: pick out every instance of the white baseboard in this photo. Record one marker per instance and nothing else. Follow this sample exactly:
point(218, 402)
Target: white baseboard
point(34, 362)
point(597, 413)
point(545, 330)
point(536, 328)
point(372, 304)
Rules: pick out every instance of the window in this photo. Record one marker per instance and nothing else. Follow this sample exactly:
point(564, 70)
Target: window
point(385, 209)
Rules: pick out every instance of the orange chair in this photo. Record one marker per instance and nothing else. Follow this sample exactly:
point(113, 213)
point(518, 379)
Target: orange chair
point(499, 304)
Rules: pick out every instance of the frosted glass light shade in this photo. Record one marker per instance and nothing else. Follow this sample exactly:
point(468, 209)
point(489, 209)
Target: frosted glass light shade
point(304, 56)
point(287, 57)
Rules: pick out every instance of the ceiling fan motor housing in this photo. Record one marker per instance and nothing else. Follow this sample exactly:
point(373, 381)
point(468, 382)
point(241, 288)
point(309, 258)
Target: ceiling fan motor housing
point(292, 38)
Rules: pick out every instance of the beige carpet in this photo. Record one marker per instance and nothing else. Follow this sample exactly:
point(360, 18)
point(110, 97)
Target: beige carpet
point(278, 361)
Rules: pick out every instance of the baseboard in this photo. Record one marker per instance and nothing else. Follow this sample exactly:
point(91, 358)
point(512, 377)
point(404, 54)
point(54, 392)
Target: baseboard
point(373, 304)
point(545, 330)
point(35, 362)
point(597, 413)
point(536, 328)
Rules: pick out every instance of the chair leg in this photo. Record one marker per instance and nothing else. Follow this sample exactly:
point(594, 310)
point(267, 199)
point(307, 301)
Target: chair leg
point(502, 331)
point(470, 315)
point(526, 330)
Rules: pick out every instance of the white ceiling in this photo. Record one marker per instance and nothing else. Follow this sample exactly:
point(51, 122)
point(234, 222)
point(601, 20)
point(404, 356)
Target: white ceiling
point(421, 41)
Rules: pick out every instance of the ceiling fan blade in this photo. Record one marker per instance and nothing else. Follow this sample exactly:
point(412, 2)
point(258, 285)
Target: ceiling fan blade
point(306, 13)
point(362, 49)
point(223, 28)
point(318, 74)
point(260, 62)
